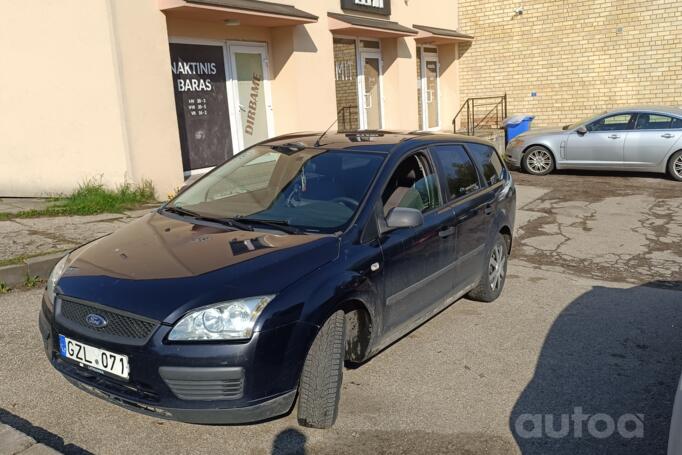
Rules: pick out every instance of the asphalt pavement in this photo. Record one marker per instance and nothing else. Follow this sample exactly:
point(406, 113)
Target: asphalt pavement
point(560, 345)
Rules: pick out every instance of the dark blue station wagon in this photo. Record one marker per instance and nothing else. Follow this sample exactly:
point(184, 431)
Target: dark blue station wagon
point(256, 283)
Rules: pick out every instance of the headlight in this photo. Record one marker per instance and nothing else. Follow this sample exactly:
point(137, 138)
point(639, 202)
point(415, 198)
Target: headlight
point(515, 142)
point(56, 274)
point(232, 320)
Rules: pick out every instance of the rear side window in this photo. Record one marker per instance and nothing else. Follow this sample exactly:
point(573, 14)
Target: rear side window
point(488, 161)
point(459, 172)
point(653, 122)
point(677, 123)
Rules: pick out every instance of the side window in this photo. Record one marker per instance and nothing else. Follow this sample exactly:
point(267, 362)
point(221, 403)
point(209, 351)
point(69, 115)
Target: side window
point(488, 161)
point(653, 122)
point(413, 185)
point(460, 173)
point(677, 123)
point(618, 122)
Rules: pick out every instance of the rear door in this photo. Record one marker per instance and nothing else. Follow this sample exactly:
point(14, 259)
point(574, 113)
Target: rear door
point(469, 205)
point(603, 144)
point(651, 140)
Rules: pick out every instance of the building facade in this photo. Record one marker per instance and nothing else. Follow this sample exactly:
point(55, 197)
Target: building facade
point(125, 90)
point(563, 61)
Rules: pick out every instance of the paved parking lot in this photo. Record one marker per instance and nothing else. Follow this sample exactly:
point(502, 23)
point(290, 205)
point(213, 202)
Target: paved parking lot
point(591, 318)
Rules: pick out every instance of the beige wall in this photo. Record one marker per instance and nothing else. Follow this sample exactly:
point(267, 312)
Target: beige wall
point(579, 56)
point(87, 89)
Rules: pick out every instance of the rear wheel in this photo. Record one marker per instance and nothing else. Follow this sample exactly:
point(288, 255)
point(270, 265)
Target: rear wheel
point(494, 274)
point(538, 161)
point(320, 387)
point(675, 166)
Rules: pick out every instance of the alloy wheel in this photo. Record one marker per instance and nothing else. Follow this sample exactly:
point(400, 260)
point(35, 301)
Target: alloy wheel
point(677, 167)
point(496, 267)
point(539, 161)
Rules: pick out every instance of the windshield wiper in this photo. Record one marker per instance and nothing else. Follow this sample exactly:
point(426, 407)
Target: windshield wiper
point(231, 222)
point(281, 225)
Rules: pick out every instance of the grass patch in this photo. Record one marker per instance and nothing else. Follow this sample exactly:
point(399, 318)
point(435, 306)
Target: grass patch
point(4, 289)
point(20, 259)
point(32, 281)
point(92, 198)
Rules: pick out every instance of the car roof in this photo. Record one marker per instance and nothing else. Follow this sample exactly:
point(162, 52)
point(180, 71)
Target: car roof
point(382, 141)
point(670, 110)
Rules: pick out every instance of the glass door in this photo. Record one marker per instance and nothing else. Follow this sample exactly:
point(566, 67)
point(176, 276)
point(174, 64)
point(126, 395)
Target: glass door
point(371, 115)
point(429, 89)
point(252, 110)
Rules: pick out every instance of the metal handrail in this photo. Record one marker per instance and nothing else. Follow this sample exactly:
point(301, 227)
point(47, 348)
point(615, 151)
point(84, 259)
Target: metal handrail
point(499, 107)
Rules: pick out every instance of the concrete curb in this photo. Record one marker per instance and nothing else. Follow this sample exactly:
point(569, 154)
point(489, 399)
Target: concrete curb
point(13, 441)
point(40, 266)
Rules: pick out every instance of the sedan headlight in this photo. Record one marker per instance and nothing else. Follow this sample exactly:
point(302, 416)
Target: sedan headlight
point(56, 274)
point(233, 320)
point(515, 142)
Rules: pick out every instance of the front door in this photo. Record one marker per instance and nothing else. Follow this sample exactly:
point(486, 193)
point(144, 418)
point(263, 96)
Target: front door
point(603, 143)
point(429, 89)
point(371, 90)
point(418, 262)
point(252, 110)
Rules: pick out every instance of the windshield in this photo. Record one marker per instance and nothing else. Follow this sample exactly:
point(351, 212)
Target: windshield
point(315, 190)
point(584, 121)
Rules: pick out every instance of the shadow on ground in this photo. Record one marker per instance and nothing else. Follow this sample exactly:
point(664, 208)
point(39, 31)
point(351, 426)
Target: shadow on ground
point(613, 352)
point(40, 435)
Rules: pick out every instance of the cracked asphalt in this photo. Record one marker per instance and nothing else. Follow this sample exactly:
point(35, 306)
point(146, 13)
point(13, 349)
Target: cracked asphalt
point(590, 318)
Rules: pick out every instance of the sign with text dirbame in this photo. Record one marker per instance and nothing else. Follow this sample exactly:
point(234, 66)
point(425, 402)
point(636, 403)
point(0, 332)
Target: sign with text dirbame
point(201, 104)
point(382, 7)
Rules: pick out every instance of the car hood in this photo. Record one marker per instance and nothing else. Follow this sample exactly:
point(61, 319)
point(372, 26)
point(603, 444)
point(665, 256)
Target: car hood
point(160, 267)
point(542, 132)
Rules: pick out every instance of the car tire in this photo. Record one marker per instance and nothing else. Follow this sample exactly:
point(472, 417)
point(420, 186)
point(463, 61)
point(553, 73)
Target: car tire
point(675, 166)
point(320, 386)
point(538, 161)
point(494, 273)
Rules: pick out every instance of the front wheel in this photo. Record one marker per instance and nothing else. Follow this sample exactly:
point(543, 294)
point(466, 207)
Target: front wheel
point(538, 161)
point(494, 274)
point(675, 166)
point(320, 387)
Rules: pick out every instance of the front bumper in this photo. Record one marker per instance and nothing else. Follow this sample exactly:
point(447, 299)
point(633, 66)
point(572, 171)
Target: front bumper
point(513, 155)
point(270, 365)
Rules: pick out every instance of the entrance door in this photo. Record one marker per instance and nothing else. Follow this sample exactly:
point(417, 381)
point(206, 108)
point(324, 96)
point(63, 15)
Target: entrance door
point(370, 90)
point(430, 89)
point(252, 110)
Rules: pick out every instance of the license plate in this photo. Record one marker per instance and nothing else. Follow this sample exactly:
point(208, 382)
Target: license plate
point(94, 358)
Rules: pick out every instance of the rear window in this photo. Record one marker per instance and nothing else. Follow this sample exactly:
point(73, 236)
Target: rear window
point(488, 161)
point(459, 172)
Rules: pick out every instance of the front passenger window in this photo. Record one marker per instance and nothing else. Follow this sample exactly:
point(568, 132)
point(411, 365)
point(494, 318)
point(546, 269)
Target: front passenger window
point(618, 122)
point(412, 185)
point(460, 173)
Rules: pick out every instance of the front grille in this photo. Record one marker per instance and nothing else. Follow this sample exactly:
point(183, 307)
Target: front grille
point(119, 327)
point(226, 389)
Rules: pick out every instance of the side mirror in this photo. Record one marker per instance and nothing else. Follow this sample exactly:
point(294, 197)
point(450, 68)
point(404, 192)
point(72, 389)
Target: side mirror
point(581, 130)
point(402, 217)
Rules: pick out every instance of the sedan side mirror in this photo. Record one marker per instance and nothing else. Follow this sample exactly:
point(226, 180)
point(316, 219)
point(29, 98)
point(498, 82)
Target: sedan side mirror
point(402, 217)
point(581, 130)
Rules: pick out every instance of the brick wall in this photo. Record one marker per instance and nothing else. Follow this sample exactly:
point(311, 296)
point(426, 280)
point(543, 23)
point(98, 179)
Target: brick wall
point(579, 56)
point(346, 74)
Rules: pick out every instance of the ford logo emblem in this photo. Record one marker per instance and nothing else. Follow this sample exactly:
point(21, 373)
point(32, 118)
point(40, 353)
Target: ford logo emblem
point(96, 320)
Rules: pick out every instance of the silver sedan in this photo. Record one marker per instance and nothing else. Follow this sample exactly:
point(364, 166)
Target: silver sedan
point(646, 138)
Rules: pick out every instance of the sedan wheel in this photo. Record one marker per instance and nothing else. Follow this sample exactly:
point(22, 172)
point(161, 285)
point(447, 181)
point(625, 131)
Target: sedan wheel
point(675, 166)
point(538, 161)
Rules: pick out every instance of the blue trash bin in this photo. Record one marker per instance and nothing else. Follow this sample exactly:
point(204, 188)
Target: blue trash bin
point(515, 125)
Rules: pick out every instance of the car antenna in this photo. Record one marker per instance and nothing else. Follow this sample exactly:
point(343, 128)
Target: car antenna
point(317, 142)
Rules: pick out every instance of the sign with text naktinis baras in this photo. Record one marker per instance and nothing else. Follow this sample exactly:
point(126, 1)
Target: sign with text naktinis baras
point(201, 104)
point(382, 7)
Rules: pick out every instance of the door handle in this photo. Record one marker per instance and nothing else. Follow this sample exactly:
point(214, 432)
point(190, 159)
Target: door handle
point(446, 232)
point(668, 136)
point(614, 136)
